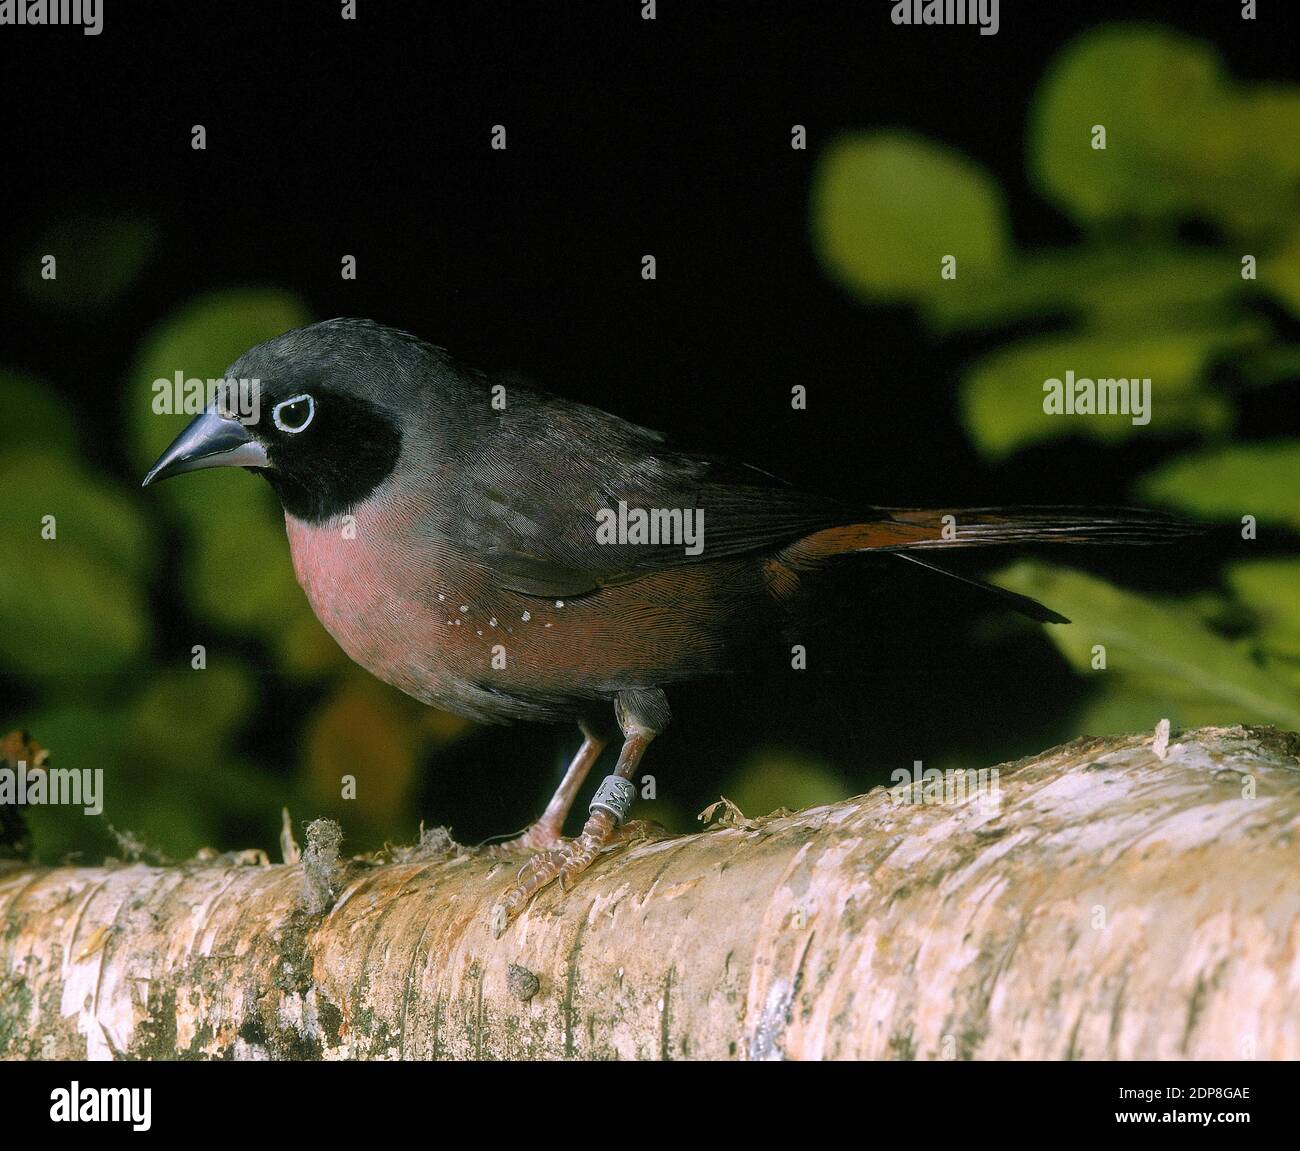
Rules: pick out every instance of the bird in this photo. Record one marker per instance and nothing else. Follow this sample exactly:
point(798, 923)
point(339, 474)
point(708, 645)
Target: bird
point(503, 553)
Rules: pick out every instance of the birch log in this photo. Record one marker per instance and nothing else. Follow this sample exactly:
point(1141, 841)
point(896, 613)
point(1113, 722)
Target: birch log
point(1109, 899)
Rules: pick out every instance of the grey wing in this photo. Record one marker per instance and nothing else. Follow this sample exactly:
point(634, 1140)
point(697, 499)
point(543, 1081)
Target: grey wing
point(546, 478)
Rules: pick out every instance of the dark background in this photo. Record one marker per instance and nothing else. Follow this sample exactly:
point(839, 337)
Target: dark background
point(626, 137)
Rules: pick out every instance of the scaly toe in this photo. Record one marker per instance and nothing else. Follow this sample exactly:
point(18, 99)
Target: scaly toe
point(544, 863)
point(535, 874)
point(565, 862)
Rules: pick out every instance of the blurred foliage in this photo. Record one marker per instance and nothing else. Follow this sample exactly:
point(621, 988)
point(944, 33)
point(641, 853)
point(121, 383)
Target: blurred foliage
point(223, 518)
point(1184, 144)
point(31, 403)
point(72, 594)
point(867, 230)
point(995, 411)
point(771, 779)
point(97, 257)
point(1262, 479)
point(1155, 649)
point(1183, 140)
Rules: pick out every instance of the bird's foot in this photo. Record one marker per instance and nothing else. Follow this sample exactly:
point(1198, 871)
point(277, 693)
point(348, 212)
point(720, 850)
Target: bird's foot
point(564, 862)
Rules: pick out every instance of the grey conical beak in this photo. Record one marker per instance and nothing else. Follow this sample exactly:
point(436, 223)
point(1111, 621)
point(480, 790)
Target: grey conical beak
point(209, 441)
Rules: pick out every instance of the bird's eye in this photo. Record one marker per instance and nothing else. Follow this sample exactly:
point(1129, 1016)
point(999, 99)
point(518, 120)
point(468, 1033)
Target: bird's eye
point(294, 414)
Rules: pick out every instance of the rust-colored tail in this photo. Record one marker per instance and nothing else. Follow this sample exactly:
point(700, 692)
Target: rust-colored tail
point(911, 529)
point(905, 531)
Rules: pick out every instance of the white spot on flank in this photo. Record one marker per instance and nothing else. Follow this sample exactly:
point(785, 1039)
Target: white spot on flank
point(492, 622)
point(441, 596)
point(548, 625)
point(463, 608)
point(559, 603)
point(526, 616)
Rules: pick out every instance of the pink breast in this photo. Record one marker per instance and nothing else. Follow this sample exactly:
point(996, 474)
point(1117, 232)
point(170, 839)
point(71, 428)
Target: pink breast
point(362, 587)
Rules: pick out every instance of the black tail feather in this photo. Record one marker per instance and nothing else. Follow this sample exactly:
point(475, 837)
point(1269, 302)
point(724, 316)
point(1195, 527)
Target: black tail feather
point(980, 527)
point(1020, 603)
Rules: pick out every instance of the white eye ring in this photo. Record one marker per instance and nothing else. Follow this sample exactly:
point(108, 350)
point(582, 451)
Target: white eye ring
point(290, 428)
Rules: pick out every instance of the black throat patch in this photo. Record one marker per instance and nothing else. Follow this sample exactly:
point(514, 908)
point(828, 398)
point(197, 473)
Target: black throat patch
point(349, 449)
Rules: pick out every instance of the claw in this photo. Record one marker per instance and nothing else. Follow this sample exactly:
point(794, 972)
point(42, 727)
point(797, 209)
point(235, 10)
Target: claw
point(564, 863)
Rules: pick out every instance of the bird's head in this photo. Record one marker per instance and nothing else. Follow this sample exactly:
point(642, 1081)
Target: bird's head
point(319, 411)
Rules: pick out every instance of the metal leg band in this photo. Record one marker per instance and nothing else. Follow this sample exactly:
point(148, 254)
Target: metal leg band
point(614, 795)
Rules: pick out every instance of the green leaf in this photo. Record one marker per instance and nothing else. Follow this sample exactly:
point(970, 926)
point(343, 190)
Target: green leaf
point(230, 518)
point(73, 603)
point(1270, 588)
point(34, 414)
point(1003, 395)
point(1259, 479)
point(1279, 272)
point(887, 207)
point(96, 259)
point(1118, 288)
point(91, 512)
point(1162, 650)
point(236, 568)
point(1152, 90)
point(1181, 139)
point(1256, 189)
point(1127, 705)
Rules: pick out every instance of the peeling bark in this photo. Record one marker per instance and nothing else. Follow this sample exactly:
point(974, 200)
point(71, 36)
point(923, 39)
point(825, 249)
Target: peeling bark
point(1112, 904)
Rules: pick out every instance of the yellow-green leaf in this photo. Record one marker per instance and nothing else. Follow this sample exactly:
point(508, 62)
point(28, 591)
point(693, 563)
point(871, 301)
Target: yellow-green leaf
point(1258, 479)
point(1163, 648)
point(1181, 139)
point(1003, 395)
point(887, 207)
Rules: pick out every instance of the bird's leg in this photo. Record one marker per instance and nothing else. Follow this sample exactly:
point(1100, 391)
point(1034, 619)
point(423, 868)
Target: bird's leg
point(642, 715)
point(548, 830)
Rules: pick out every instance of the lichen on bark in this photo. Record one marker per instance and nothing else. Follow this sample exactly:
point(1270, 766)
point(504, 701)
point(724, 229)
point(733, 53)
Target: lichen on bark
point(1105, 903)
